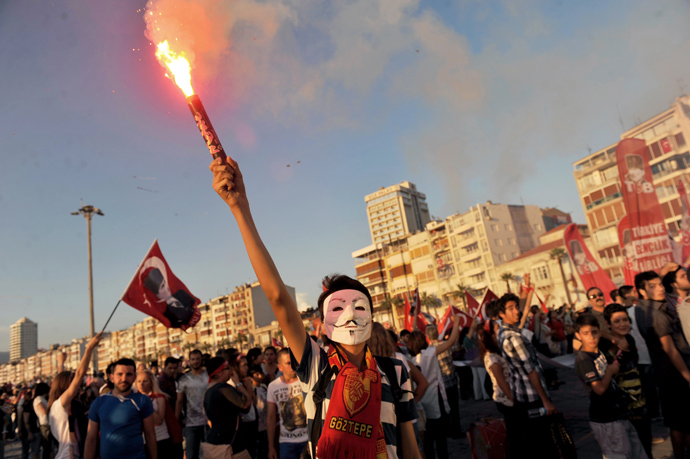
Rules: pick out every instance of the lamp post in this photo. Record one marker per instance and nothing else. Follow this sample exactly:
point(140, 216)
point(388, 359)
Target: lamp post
point(87, 212)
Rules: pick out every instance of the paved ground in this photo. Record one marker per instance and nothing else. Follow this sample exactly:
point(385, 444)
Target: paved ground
point(569, 399)
point(572, 401)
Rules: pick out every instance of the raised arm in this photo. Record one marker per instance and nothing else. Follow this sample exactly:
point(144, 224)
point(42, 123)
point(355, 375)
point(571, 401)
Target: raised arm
point(526, 294)
point(71, 392)
point(228, 183)
point(454, 335)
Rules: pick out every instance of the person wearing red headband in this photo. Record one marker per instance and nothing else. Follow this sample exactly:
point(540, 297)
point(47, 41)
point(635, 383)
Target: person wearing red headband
point(365, 407)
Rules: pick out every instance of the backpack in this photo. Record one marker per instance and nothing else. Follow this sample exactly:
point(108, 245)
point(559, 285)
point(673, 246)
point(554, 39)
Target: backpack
point(385, 363)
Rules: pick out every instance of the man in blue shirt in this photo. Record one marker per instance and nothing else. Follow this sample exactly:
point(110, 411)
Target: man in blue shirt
point(121, 416)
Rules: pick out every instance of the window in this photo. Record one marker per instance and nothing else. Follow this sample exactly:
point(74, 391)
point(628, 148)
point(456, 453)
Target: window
point(540, 273)
point(485, 246)
point(494, 228)
point(502, 256)
point(508, 227)
point(498, 242)
point(512, 241)
point(680, 140)
point(487, 260)
point(513, 255)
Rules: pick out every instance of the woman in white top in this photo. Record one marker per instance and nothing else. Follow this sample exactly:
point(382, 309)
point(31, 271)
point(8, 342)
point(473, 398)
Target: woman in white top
point(147, 384)
point(434, 401)
point(64, 388)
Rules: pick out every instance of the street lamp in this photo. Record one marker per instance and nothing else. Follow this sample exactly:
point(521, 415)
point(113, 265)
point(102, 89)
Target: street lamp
point(87, 212)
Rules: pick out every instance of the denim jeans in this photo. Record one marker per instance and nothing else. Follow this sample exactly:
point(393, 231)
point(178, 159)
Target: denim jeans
point(291, 450)
point(193, 437)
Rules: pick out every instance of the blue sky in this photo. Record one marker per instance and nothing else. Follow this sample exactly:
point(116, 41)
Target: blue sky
point(470, 100)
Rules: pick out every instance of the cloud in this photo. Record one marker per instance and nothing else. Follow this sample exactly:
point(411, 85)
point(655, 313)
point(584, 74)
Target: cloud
point(303, 301)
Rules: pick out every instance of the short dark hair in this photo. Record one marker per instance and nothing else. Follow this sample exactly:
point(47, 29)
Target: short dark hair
point(593, 288)
point(613, 308)
point(253, 353)
point(416, 342)
point(614, 293)
point(584, 320)
point(284, 351)
point(213, 364)
point(669, 279)
point(641, 280)
point(41, 389)
point(505, 299)
point(404, 332)
point(125, 362)
point(625, 290)
point(195, 351)
point(254, 369)
point(171, 361)
point(492, 308)
point(338, 282)
point(270, 348)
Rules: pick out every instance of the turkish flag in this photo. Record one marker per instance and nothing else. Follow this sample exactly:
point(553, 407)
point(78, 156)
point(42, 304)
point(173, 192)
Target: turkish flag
point(666, 145)
point(154, 290)
point(586, 266)
point(276, 343)
point(472, 305)
point(649, 236)
point(447, 320)
point(489, 296)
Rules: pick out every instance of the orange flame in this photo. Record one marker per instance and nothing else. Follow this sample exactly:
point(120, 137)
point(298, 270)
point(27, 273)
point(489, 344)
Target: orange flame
point(178, 66)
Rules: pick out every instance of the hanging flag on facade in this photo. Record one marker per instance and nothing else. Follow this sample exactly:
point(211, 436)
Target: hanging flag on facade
point(586, 266)
point(156, 291)
point(648, 232)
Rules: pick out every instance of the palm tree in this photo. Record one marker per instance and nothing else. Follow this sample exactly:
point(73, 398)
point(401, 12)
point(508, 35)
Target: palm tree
point(507, 277)
point(559, 254)
point(428, 300)
point(391, 302)
point(240, 339)
point(206, 347)
point(460, 294)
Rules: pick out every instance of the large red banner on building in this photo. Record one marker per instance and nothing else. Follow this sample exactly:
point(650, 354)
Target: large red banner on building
point(648, 232)
point(627, 250)
point(586, 266)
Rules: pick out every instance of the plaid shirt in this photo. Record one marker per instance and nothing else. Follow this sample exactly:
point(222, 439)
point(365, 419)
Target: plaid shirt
point(522, 360)
point(445, 361)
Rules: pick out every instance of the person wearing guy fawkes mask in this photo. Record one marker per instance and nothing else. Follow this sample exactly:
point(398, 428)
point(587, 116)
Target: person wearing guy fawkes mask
point(354, 420)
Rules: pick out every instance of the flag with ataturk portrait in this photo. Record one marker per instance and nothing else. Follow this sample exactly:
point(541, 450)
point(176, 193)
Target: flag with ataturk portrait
point(156, 291)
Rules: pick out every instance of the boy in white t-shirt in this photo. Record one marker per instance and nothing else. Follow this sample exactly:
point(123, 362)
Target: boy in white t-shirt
point(286, 403)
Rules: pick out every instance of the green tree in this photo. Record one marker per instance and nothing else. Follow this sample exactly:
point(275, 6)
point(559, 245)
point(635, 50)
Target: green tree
point(206, 347)
point(507, 277)
point(559, 254)
point(391, 302)
point(460, 293)
point(429, 301)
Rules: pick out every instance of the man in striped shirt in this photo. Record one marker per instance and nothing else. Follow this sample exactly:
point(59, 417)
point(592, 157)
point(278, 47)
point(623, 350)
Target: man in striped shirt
point(526, 380)
point(360, 410)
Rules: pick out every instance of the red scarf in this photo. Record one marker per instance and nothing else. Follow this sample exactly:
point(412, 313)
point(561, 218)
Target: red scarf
point(352, 427)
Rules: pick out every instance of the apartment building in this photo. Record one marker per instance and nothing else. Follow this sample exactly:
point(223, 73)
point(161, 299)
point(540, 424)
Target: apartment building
point(23, 339)
point(599, 185)
point(395, 211)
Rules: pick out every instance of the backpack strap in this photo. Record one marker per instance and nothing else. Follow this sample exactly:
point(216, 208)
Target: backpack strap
point(318, 396)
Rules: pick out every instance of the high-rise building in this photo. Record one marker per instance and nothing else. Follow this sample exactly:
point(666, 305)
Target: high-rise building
point(463, 249)
point(396, 211)
point(23, 339)
point(599, 185)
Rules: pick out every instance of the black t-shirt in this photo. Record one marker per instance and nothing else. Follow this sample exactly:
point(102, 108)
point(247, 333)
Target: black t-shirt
point(222, 404)
point(628, 378)
point(612, 405)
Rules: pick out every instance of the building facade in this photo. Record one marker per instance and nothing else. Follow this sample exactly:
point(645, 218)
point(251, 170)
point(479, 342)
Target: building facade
point(395, 211)
point(23, 339)
point(599, 185)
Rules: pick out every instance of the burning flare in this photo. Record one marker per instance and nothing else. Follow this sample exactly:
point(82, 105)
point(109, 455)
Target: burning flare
point(178, 66)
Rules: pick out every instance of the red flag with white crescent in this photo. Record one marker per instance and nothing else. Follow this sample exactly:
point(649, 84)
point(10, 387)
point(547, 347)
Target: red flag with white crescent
point(276, 343)
point(648, 231)
point(472, 305)
point(156, 291)
point(446, 321)
point(586, 266)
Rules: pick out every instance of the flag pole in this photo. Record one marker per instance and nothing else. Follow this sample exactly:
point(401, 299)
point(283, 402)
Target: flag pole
point(129, 284)
point(111, 315)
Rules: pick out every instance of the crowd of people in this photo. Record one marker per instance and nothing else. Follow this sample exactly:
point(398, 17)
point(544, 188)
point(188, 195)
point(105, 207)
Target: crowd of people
point(361, 390)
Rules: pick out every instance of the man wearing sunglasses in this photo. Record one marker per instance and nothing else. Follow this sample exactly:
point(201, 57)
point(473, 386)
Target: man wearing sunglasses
point(597, 303)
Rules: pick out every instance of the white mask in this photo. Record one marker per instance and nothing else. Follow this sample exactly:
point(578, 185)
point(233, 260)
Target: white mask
point(347, 317)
